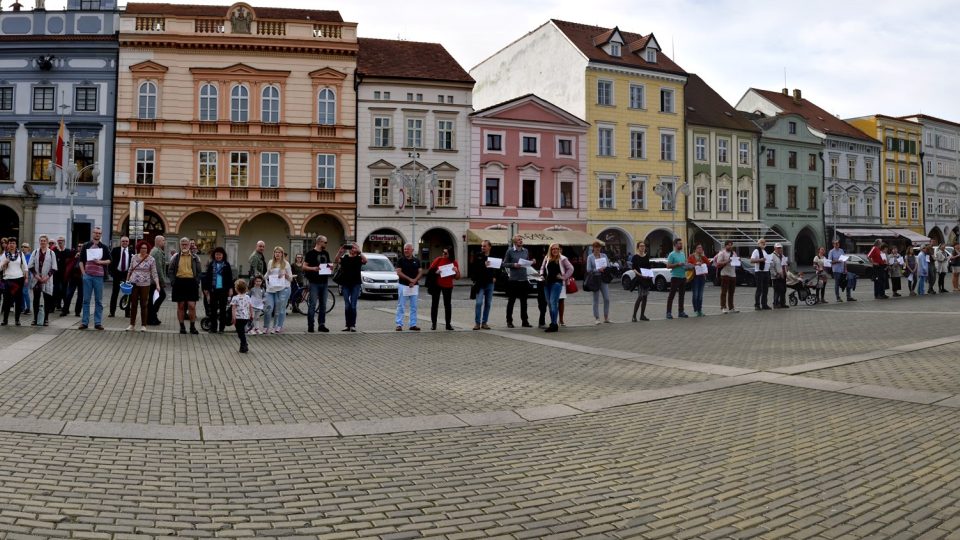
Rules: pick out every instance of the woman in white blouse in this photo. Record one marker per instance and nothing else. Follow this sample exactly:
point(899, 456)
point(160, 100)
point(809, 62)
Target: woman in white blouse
point(278, 277)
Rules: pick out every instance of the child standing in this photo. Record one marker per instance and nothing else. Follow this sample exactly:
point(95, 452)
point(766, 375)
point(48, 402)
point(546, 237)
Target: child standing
point(242, 311)
point(257, 294)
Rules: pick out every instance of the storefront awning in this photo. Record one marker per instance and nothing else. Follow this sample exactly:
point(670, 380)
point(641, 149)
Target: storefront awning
point(912, 236)
point(500, 237)
point(741, 234)
point(868, 233)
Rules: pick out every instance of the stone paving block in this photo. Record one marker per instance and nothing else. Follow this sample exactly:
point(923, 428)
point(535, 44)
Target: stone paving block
point(492, 418)
point(702, 367)
point(897, 394)
point(267, 432)
point(546, 412)
point(398, 425)
point(31, 425)
point(131, 431)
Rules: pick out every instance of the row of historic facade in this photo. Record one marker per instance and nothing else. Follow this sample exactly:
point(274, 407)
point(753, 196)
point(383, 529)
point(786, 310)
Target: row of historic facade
point(239, 123)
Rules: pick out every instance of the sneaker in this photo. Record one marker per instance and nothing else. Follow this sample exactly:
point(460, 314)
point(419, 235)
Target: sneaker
point(700, 314)
point(278, 330)
point(596, 321)
point(851, 299)
point(323, 328)
point(130, 328)
point(97, 327)
point(669, 316)
point(353, 328)
point(682, 315)
point(607, 321)
point(633, 319)
point(724, 311)
point(839, 300)
point(143, 328)
point(347, 329)
point(733, 310)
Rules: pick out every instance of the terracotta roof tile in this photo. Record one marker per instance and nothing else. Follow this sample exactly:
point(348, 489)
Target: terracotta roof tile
point(816, 117)
point(583, 35)
point(705, 107)
point(408, 60)
point(189, 10)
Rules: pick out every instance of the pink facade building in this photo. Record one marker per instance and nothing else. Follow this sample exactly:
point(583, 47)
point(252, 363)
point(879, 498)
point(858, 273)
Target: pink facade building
point(528, 167)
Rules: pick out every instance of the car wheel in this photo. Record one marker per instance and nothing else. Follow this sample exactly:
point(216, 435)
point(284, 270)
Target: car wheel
point(625, 282)
point(661, 283)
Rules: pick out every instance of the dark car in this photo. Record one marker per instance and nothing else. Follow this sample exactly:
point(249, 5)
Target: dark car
point(745, 276)
point(861, 266)
point(533, 278)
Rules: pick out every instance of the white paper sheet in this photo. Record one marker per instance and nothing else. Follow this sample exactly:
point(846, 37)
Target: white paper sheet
point(735, 262)
point(521, 262)
point(156, 295)
point(601, 263)
point(94, 254)
point(910, 278)
point(701, 269)
point(410, 291)
point(844, 258)
point(768, 257)
point(783, 260)
point(325, 270)
point(493, 262)
point(900, 261)
point(447, 270)
point(646, 272)
point(276, 281)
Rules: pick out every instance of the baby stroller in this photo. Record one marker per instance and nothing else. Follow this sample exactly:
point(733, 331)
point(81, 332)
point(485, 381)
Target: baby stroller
point(206, 322)
point(803, 290)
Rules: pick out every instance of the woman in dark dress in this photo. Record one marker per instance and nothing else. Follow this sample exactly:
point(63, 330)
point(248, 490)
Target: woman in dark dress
point(350, 262)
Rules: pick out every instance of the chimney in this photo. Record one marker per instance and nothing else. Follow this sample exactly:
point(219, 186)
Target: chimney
point(785, 91)
point(797, 96)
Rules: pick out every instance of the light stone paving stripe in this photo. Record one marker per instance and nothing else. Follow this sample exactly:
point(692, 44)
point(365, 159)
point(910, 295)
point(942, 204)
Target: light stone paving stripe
point(118, 430)
point(398, 425)
point(23, 348)
point(687, 365)
point(494, 418)
point(920, 345)
point(951, 402)
point(812, 383)
point(897, 394)
point(834, 362)
point(527, 338)
point(547, 412)
point(31, 425)
point(266, 432)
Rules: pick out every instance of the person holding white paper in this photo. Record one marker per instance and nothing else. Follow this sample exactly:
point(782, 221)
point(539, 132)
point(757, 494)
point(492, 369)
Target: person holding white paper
point(821, 264)
point(409, 272)
point(517, 284)
point(185, 267)
point(895, 269)
point(910, 269)
point(317, 269)
point(484, 277)
point(699, 261)
point(142, 274)
point(279, 275)
point(217, 289)
point(838, 262)
point(598, 286)
point(444, 286)
point(726, 262)
point(778, 276)
point(94, 259)
point(640, 262)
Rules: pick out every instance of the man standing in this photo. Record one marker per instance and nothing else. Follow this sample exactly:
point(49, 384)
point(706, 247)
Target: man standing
point(879, 261)
point(94, 259)
point(837, 268)
point(728, 277)
point(159, 254)
point(59, 279)
point(185, 269)
point(778, 276)
point(408, 270)
point(677, 263)
point(517, 284)
point(27, 282)
point(120, 258)
point(257, 263)
point(312, 263)
point(761, 270)
point(483, 279)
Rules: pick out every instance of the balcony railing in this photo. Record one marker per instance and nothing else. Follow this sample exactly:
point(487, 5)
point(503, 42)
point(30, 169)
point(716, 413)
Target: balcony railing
point(208, 26)
point(143, 191)
point(326, 131)
point(146, 125)
point(239, 129)
point(271, 28)
point(225, 194)
point(208, 127)
point(327, 31)
point(151, 24)
point(269, 129)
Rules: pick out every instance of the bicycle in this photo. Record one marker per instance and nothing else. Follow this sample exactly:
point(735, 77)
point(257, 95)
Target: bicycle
point(302, 297)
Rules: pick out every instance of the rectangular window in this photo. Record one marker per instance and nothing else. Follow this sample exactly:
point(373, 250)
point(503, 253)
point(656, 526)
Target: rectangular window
point(914, 210)
point(891, 210)
point(605, 193)
point(744, 151)
point(85, 99)
point(744, 196)
point(491, 192)
point(868, 167)
point(903, 209)
point(666, 100)
point(723, 151)
point(666, 200)
point(445, 192)
point(890, 175)
point(84, 155)
point(636, 96)
point(449, 100)
point(494, 142)
point(146, 165)
point(529, 145)
point(414, 133)
point(666, 146)
point(638, 148)
point(771, 196)
point(419, 97)
point(376, 94)
point(834, 166)
point(930, 206)
point(604, 92)
point(89, 5)
point(528, 193)
point(792, 160)
point(381, 191)
point(792, 127)
point(723, 200)
point(270, 169)
point(382, 132)
point(409, 96)
point(326, 171)
point(852, 169)
point(41, 153)
point(913, 178)
point(638, 193)
point(605, 141)
point(440, 98)
point(771, 157)
point(6, 153)
point(811, 198)
point(43, 98)
point(566, 194)
point(207, 168)
point(852, 205)
point(700, 148)
point(386, 95)
point(701, 199)
point(6, 98)
point(811, 162)
point(791, 196)
point(869, 201)
point(565, 147)
point(239, 169)
point(445, 134)
point(903, 176)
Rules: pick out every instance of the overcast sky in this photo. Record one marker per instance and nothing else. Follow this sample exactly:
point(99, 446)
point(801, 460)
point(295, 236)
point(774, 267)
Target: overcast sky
point(851, 57)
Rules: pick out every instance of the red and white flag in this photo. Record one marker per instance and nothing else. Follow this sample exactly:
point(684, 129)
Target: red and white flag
point(403, 196)
point(61, 145)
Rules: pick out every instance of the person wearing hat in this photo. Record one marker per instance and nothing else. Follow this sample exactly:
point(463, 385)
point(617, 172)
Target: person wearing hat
point(761, 270)
point(778, 276)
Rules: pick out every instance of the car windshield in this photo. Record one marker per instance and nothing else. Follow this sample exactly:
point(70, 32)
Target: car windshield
point(377, 265)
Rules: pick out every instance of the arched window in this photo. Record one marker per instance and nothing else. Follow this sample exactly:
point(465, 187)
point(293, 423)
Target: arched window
point(147, 109)
point(327, 107)
point(208, 103)
point(270, 105)
point(239, 104)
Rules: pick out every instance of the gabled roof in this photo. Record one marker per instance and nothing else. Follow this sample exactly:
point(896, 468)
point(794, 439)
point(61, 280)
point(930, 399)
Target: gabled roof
point(705, 107)
point(188, 10)
point(408, 60)
point(583, 36)
point(816, 117)
point(567, 117)
point(921, 117)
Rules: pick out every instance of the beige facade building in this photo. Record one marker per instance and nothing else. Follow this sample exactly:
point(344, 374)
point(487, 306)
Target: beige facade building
point(237, 124)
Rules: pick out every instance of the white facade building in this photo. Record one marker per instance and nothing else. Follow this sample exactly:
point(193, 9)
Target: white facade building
point(941, 177)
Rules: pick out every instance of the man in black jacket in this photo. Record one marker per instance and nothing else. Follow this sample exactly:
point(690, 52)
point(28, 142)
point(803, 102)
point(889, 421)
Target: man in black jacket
point(120, 258)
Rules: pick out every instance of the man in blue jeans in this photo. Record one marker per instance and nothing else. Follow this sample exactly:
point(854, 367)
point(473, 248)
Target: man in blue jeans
point(94, 258)
point(408, 288)
point(839, 268)
point(483, 280)
point(677, 263)
point(312, 263)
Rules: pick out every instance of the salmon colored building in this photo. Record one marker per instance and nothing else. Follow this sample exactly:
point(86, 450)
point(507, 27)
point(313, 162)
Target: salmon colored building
point(237, 124)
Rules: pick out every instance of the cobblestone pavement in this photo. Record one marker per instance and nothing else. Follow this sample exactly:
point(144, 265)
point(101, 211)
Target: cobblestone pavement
point(834, 421)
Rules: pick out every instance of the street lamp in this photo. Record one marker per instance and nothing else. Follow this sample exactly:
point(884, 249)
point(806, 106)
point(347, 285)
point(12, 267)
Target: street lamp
point(669, 191)
point(71, 174)
point(413, 183)
point(834, 197)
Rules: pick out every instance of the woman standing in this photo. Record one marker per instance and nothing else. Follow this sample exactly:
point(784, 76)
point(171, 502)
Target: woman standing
point(217, 288)
point(895, 269)
point(142, 274)
point(597, 263)
point(350, 263)
point(296, 284)
point(641, 260)
point(14, 269)
point(278, 277)
point(942, 260)
point(444, 287)
point(699, 280)
point(820, 263)
point(910, 268)
point(555, 270)
point(43, 265)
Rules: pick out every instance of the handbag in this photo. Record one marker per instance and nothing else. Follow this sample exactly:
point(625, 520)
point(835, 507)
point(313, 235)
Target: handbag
point(473, 291)
point(337, 276)
point(591, 282)
point(571, 286)
point(433, 287)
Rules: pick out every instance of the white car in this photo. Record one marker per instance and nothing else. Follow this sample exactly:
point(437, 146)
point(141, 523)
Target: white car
point(378, 277)
point(661, 275)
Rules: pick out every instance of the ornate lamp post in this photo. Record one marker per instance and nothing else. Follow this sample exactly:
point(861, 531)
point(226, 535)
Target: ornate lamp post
point(413, 182)
point(71, 174)
point(669, 192)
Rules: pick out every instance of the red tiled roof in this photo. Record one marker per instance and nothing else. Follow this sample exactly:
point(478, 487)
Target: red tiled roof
point(408, 60)
point(583, 35)
point(705, 107)
point(816, 117)
point(188, 10)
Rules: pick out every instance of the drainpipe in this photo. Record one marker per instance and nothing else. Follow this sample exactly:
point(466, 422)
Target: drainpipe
point(357, 79)
point(108, 193)
point(823, 188)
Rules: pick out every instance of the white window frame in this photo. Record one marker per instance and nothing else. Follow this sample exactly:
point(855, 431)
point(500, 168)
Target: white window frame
point(723, 200)
point(914, 210)
point(891, 210)
point(327, 163)
point(668, 97)
point(641, 103)
point(147, 100)
point(270, 170)
point(8, 105)
point(666, 155)
point(700, 199)
point(903, 209)
point(792, 128)
point(147, 157)
point(449, 132)
point(380, 185)
point(651, 56)
point(700, 148)
point(204, 161)
point(868, 169)
point(383, 133)
point(609, 102)
point(638, 186)
point(413, 135)
point(270, 105)
point(743, 196)
point(239, 104)
point(606, 184)
point(743, 153)
point(642, 132)
point(723, 150)
point(536, 138)
point(239, 169)
point(608, 150)
point(209, 103)
point(86, 102)
point(573, 194)
point(573, 150)
point(852, 168)
point(913, 177)
point(441, 188)
point(536, 191)
point(615, 49)
point(327, 107)
point(503, 142)
point(666, 201)
point(499, 201)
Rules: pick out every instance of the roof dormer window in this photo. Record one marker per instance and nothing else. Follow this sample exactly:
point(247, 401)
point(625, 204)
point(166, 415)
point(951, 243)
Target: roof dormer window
point(652, 56)
point(614, 49)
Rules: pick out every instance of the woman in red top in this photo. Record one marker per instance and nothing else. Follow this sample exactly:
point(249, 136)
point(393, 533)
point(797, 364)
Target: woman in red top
point(699, 281)
point(443, 287)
